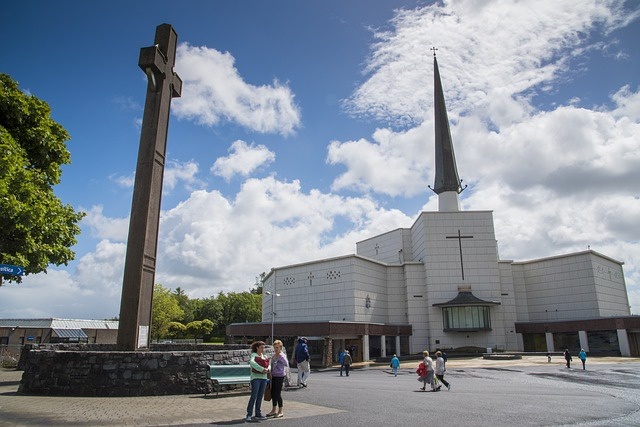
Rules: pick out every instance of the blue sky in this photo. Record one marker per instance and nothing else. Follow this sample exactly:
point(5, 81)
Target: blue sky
point(304, 127)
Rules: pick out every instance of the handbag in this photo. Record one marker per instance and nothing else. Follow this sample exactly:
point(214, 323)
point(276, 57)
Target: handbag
point(267, 391)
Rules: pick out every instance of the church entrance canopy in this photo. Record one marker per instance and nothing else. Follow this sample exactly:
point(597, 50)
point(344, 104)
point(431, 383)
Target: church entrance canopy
point(466, 313)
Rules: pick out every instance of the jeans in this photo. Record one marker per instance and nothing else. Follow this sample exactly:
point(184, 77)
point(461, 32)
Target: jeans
point(303, 372)
point(395, 371)
point(257, 394)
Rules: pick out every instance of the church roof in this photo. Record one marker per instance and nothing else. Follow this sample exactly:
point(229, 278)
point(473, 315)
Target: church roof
point(466, 298)
point(446, 170)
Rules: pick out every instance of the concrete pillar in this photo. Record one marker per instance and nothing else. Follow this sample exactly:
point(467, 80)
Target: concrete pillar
point(383, 345)
point(328, 353)
point(550, 345)
point(519, 342)
point(398, 346)
point(623, 342)
point(584, 341)
point(365, 348)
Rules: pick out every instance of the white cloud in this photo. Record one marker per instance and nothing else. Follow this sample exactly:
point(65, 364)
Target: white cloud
point(492, 55)
point(393, 163)
point(58, 294)
point(213, 91)
point(176, 171)
point(123, 181)
point(557, 181)
point(243, 160)
point(209, 243)
point(102, 227)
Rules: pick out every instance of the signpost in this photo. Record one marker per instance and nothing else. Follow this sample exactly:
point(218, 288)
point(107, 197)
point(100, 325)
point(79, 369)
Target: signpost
point(13, 270)
point(10, 270)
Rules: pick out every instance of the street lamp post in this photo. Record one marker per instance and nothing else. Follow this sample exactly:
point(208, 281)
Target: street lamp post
point(273, 310)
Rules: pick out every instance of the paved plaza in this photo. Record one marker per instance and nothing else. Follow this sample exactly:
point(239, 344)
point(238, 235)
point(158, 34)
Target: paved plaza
point(527, 392)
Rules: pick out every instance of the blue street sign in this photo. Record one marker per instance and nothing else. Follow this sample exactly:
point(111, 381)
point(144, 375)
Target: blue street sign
point(13, 270)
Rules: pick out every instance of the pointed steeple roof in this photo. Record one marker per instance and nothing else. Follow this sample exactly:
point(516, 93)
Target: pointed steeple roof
point(446, 170)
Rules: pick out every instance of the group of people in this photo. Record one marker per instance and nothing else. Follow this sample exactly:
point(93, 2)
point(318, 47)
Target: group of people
point(273, 371)
point(582, 356)
point(434, 376)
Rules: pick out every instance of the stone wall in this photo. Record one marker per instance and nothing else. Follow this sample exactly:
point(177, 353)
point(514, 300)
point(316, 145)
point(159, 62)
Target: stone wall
point(113, 373)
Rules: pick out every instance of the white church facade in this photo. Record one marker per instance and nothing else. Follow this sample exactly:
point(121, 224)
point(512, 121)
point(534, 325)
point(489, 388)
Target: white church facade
point(441, 284)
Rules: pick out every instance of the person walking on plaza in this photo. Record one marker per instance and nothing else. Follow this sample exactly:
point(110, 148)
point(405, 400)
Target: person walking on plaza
point(259, 370)
point(567, 357)
point(279, 365)
point(440, 369)
point(429, 377)
point(395, 364)
point(583, 357)
point(347, 361)
point(302, 359)
point(342, 360)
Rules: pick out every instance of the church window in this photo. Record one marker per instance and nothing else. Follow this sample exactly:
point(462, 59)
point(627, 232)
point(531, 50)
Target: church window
point(333, 274)
point(466, 318)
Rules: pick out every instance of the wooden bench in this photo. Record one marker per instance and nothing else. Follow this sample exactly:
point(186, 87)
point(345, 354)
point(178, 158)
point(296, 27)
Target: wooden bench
point(228, 374)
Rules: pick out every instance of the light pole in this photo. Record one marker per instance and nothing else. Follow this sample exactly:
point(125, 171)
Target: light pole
point(273, 310)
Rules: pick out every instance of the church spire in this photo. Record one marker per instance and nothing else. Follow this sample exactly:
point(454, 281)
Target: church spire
point(447, 184)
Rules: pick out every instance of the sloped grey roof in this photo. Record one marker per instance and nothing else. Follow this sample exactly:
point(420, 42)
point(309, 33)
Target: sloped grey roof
point(466, 298)
point(55, 323)
point(70, 333)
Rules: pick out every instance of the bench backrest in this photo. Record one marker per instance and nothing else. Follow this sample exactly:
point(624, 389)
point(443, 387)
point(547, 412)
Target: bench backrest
point(224, 371)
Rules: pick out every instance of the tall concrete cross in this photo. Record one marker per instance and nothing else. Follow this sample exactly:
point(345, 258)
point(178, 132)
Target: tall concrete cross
point(157, 62)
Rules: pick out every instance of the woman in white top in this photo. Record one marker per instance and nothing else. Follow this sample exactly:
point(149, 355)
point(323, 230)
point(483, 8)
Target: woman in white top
point(429, 378)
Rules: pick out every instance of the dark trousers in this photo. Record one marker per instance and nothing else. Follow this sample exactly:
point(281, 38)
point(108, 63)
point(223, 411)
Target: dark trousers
point(276, 391)
point(346, 369)
point(442, 380)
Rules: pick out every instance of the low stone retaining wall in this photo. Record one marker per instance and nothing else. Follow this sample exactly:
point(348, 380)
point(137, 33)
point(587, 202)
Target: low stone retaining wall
point(501, 356)
point(113, 373)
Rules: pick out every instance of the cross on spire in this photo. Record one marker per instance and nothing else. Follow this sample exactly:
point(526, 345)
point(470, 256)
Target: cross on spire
point(434, 50)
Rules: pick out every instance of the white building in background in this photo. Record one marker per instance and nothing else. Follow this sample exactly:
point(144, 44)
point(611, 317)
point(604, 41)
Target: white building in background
point(442, 284)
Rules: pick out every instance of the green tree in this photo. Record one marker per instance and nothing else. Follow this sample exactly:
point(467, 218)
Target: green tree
point(257, 289)
point(165, 310)
point(209, 308)
point(199, 328)
point(177, 330)
point(37, 229)
point(238, 308)
point(186, 304)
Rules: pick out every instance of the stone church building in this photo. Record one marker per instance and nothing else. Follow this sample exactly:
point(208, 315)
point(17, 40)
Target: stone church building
point(442, 284)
